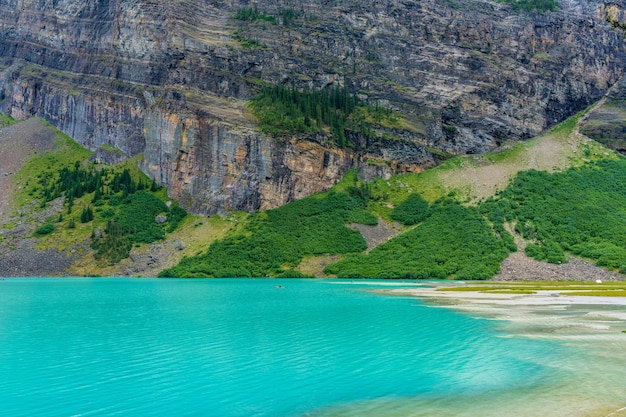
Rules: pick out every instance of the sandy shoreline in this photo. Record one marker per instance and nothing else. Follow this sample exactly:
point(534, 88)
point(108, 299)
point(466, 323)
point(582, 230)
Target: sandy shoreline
point(547, 312)
point(541, 298)
point(594, 324)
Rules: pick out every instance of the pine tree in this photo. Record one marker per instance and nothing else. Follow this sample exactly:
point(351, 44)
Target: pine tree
point(86, 215)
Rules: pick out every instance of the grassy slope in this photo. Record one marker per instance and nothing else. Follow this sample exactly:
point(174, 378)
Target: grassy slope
point(194, 233)
point(469, 180)
point(422, 251)
point(473, 179)
point(64, 152)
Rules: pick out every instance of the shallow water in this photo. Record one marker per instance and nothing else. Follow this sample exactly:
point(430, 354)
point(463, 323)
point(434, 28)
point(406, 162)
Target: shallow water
point(146, 347)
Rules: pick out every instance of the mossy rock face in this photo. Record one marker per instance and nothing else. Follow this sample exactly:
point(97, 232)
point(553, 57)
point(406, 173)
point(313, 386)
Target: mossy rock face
point(108, 154)
point(607, 125)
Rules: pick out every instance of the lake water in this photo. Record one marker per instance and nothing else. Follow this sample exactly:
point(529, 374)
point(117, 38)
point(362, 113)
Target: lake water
point(148, 347)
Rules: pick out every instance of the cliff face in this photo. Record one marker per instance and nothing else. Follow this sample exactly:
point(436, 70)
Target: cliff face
point(170, 79)
point(606, 122)
point(210, 167)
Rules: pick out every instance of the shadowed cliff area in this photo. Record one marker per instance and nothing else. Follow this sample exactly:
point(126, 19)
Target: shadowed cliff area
point(171, 81)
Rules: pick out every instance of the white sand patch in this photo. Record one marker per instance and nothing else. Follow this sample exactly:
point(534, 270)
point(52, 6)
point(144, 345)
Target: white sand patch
point(546, 314)
point(541, 298)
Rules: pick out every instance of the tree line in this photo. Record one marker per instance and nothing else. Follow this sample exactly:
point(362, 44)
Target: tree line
point(333, 111)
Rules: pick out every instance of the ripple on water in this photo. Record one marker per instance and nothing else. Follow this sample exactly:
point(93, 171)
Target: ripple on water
point(242, 348)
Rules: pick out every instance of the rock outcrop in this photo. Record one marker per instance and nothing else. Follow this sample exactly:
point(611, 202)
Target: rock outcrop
point(606, 123)
point(170, 80)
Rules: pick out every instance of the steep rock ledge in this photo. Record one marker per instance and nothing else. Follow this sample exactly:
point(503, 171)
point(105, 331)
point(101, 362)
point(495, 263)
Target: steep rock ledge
point(170, 79)
point(210, 167)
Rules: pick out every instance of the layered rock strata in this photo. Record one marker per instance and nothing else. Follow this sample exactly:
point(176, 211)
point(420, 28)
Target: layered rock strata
point(170, 80)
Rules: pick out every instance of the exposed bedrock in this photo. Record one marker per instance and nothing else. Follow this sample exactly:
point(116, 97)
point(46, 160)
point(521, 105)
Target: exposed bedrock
point(170, 80)
point(211, 168)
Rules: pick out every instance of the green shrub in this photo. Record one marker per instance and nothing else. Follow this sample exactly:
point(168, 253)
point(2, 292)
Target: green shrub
point(411, 211)
point(292, 274)
point(452, 241)
point(580, 210)
point(137, 218)
point(550, 252)
point(176, 215)
point(606, 253)
point(107, 213)
point(46, 229)
point(274, 242)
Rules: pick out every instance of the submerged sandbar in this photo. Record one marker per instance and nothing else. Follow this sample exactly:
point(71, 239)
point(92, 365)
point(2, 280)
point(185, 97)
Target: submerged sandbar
point(586, 316)
point(555, 307)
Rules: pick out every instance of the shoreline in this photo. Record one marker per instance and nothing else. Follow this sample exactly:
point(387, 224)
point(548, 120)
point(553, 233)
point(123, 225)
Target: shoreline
point(545, 312)
point(595, 326)
point(541, 297)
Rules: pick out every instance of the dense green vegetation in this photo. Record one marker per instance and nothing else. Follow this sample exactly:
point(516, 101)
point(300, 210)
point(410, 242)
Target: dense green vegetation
point(411, 211)
point(6, 120)
point(274, 242)
point(452, 241)
point(581, 210)
point(128, 204)
point(46, 229)
point(333, 111)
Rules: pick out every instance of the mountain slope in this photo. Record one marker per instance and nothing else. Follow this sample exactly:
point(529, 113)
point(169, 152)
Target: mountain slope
point(310, 235)
point(576, 209)
point(171, 80)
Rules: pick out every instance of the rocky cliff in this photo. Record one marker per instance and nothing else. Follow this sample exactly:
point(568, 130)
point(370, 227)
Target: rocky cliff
point(171, 79)
point(606, 122)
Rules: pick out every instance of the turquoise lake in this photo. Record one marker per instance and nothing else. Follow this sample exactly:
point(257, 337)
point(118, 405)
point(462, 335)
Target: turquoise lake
point(264, 347)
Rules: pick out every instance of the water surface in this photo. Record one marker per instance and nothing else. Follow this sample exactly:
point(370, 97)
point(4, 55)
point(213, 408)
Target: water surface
point(148, 347)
